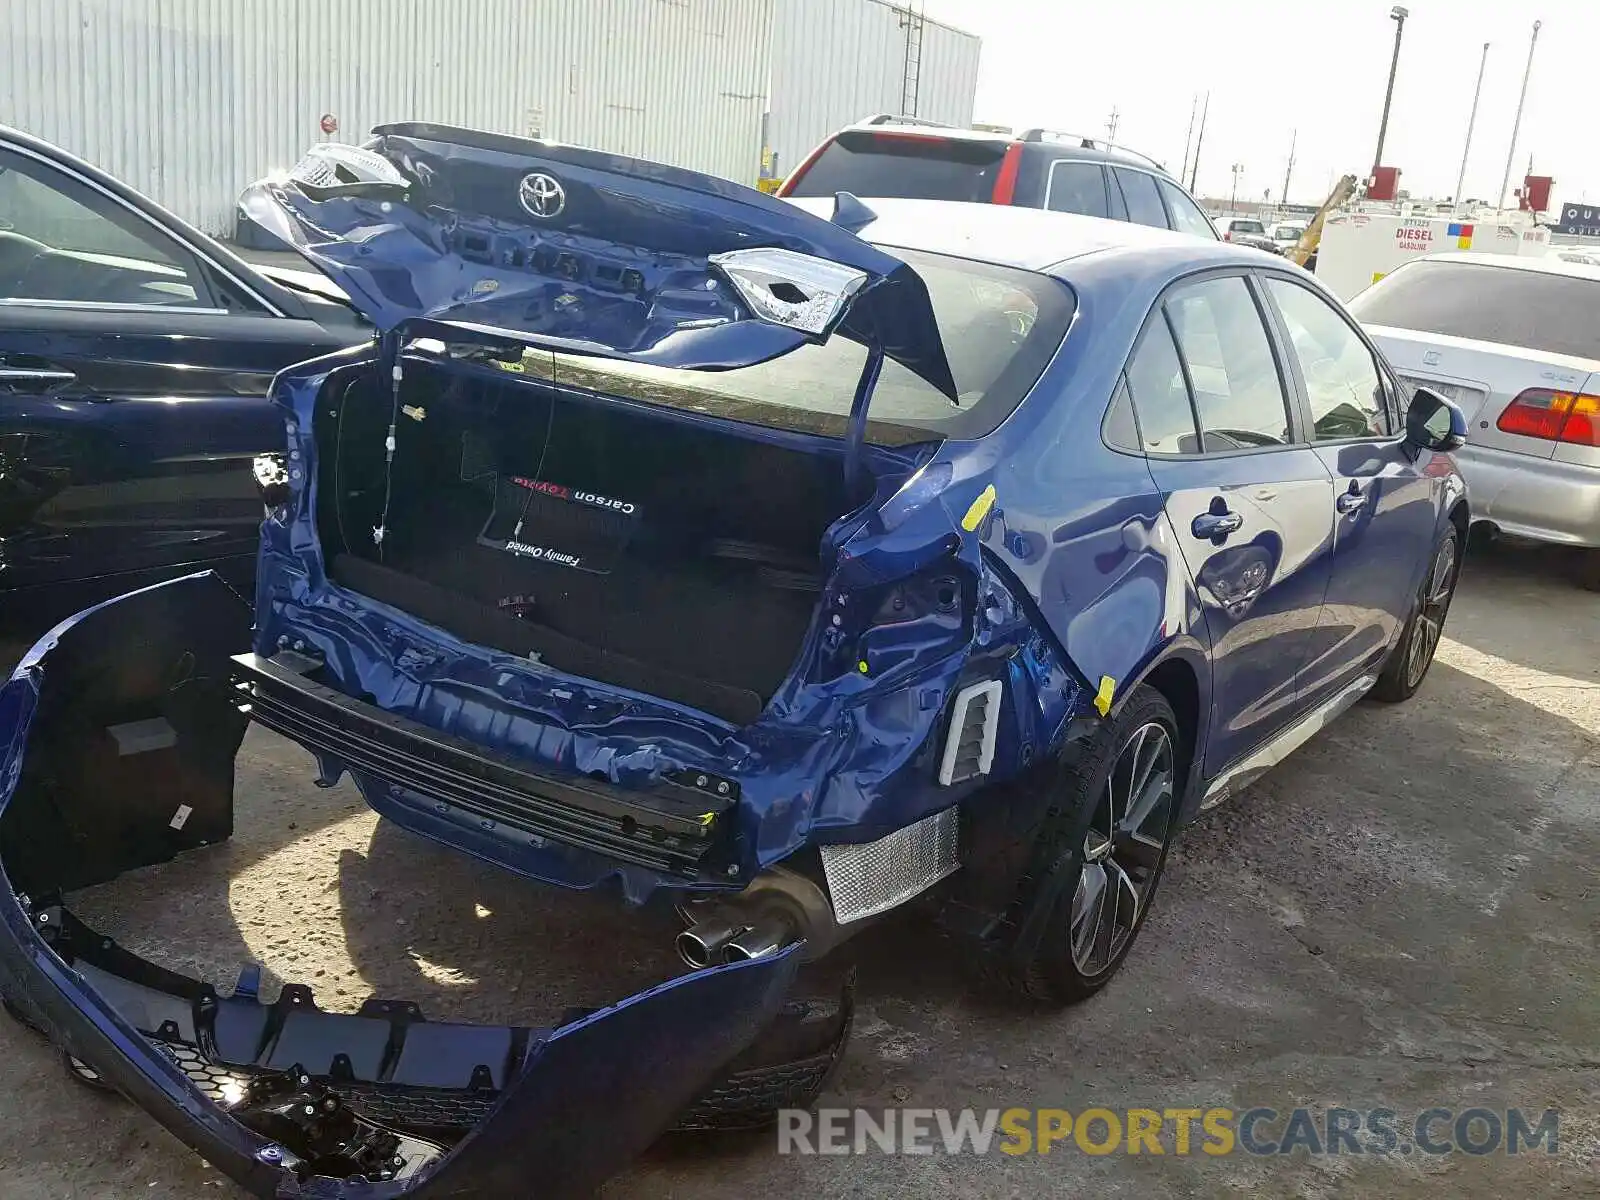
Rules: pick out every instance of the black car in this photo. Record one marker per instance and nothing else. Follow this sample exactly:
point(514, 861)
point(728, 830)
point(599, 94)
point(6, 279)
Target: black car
point(135, 356)
point(1038, 168)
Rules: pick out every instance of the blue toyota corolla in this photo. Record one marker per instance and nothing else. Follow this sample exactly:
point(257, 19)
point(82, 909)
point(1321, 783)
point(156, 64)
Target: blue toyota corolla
point(789, 562)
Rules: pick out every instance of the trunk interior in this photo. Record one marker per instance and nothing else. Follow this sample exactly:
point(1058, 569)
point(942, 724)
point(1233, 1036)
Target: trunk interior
point(613, 543)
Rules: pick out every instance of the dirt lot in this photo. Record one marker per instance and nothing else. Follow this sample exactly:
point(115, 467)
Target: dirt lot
point(1404, 915)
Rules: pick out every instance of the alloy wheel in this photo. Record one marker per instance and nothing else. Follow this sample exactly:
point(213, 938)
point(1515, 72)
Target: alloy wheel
point(1122, 849)
point(1430, 616)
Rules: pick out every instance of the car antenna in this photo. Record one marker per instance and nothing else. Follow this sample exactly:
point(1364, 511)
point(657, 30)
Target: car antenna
point(849, 213)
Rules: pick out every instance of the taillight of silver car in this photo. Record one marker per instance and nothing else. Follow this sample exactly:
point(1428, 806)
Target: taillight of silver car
point(1554, 416)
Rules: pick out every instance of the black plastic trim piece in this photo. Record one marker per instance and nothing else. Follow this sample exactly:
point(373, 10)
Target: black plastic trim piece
point(668, 828)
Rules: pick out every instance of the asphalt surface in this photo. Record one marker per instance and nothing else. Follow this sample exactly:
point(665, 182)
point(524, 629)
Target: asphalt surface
point(1402, 916)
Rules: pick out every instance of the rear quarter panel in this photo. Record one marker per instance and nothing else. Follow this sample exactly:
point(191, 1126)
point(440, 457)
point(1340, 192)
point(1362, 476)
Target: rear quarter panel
point(1080, 527)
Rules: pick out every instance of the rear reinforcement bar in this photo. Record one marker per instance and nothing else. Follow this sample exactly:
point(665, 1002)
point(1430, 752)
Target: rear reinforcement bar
point(670, 828)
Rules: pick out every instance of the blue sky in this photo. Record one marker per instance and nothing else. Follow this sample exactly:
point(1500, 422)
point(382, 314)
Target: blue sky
point(1277, 66)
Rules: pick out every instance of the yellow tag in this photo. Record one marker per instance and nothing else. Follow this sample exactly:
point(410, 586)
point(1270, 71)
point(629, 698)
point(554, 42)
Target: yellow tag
point(1377, 275)
point(415, 411)
point(509, 366)
point(979, 510)
point(862, 666)
point(1102, 698)
point(706, 819)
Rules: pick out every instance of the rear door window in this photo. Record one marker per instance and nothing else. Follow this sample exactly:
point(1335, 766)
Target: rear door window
point(1238, 392)
point(1077, 187)
point(1161, 394)
point(1186, 216)
point(1510, 306)
point(1143, 200)
point(894, 164)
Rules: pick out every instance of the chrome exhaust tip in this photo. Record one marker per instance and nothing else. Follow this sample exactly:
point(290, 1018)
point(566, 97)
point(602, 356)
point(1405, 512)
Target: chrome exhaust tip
point(702, 944)
point(767, 937)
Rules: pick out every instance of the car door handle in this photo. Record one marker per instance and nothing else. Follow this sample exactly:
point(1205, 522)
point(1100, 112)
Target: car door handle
point(1350, 501)
point(1216, 524)
point(10, 376)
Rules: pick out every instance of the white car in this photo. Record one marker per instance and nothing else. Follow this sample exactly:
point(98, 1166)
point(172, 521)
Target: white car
point(1515, 342)
point(1286, 233)
point(1240, 228)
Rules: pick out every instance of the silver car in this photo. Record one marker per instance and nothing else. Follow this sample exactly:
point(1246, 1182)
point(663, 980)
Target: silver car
point(1515, 342)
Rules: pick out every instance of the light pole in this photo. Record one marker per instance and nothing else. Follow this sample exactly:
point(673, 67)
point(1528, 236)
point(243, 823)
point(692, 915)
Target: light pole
point(1233, 200)
point(1472, 120)
point(1294, 138)
point(1516, 125)
point(1398, 15)
point(1194, 166)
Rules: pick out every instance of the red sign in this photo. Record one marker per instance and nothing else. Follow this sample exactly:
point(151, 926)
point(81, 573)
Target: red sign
point(329, 123)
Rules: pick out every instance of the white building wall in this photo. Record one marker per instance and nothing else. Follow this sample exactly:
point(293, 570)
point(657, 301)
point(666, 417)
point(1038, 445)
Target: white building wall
point(837, 61)
point(189, 100)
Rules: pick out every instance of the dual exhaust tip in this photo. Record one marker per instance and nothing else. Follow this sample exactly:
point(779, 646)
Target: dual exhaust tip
point(715, 941)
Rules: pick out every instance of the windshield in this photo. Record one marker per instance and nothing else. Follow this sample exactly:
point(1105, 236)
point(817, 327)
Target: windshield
point(1511, 306)
point(1000, 327)
point(910, 165)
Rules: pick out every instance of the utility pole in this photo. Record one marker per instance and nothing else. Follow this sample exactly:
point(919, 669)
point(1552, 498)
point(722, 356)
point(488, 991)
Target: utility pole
point(1194, 167)
point(1233, 200)
point(1111, 126)
point(1516, 125)
point(1294, 138)
point(1472, 120)
point(1188, 138)
point(1398, 15)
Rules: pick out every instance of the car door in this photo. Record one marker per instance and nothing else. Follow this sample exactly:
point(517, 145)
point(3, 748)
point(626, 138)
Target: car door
point(1183, 215)
point(1252, 505)
point(133, 379)
point(1077, 186)
point(1140, 196)
point(1384, 515)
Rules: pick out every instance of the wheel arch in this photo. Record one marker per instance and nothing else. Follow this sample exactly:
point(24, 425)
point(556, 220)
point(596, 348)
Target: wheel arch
point(1183, 678)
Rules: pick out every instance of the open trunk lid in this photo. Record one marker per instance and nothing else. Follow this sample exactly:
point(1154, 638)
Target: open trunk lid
point(580, 251)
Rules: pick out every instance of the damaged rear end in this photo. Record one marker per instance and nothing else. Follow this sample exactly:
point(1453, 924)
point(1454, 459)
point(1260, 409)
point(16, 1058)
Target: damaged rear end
point(645, 548)
point(118, 753)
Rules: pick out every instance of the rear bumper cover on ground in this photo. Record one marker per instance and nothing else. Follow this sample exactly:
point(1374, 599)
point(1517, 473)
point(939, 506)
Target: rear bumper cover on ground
point(559, 1110)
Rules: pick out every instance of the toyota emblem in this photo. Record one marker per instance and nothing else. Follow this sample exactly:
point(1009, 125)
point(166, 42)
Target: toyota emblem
point(542, 195)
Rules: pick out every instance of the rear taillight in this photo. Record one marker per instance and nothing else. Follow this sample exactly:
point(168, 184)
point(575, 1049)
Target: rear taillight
point(1553, 416)
point(1005, 180)
point(1583, 422)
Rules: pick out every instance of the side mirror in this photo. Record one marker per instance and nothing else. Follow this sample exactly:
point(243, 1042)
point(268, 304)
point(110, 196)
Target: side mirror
point(1434, 423)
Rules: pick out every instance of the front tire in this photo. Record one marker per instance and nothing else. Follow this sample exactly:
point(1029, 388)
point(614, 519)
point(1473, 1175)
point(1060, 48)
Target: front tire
point(1408, 663)
point(1589, 570)
point(1108, 830)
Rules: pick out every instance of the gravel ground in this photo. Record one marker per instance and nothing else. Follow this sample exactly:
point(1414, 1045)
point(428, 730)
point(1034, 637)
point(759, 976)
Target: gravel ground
point(1404, 915)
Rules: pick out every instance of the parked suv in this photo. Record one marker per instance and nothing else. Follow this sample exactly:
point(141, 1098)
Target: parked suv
point(1038, 168)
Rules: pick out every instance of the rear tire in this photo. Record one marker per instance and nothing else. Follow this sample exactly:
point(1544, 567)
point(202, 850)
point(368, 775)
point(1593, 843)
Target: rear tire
point(1589, 570)
point(1109, 828)
point(1408, 663)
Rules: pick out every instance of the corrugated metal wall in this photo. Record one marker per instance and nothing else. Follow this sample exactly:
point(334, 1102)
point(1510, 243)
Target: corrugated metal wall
point(189, 100)
point(837, 61)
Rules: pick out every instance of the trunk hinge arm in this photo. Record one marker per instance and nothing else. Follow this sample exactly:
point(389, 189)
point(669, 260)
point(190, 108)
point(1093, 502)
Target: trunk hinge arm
point(389, 346)
point(858, 412)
